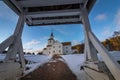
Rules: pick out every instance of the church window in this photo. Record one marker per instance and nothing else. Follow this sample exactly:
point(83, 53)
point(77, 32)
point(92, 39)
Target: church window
point(66, 51)
point(66, 47)
point(59, 51)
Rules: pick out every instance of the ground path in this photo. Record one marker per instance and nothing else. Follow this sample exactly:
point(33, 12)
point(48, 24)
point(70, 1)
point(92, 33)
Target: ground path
point(53, 70)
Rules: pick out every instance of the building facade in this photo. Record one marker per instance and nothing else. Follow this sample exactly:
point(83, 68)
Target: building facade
point(56, 47)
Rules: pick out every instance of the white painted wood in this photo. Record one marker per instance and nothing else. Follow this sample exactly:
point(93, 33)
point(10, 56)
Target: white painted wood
point(11, 6)
point(90, 51)
point(67, 49)
point(13, 49)
point(21, 55)
point(36, 3)
point(17, 5)
point(10, 71)
point(29, 20)
point(110, 62)
point(96, 75)
point(55, 21)
point(53, 13)
point(6, 43)
point(20, 25)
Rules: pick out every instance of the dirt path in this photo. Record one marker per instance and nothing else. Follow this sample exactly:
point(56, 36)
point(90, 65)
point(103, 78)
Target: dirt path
point(53, 70)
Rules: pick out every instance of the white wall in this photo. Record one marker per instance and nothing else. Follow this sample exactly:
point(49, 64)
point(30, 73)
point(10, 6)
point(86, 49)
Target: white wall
point(50, 42)
point(57, 48)
point(67, 49)
point(45, 52)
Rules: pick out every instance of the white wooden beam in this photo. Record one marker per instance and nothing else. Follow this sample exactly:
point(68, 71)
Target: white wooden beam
point(6, 43)
point(90, 51)
point(10, 71)
point(20, 25)
point(12, 6)
point(13, 49)
point(53, 13)
point(110, 62)
point(55, 21)
point(21, 55)
point(29, 20)
point(17, 5)
point(37, 3)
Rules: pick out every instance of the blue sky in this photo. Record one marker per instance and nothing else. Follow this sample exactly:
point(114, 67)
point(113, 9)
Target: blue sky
point(104, 19)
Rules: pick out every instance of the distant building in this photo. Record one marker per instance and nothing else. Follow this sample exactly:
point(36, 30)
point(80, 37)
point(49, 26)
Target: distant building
point(56, 47)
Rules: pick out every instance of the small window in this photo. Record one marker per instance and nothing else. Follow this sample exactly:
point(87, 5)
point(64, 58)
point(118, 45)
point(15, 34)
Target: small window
point(59, 46)
point(53, 46)
point(53, 51)
point(66, 47)
point(49, 52)
point(49, 48)
point(66, 51)
point(59, 51)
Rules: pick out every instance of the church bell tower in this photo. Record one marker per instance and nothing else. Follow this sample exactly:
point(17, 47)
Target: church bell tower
point(51, 39)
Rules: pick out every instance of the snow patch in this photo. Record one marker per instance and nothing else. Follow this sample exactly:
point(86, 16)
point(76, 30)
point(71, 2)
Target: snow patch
point(2, 56)
point(74, 62)
point(36, 62)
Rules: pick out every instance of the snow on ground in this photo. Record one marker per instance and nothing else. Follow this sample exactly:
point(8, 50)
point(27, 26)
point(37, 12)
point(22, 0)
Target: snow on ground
point(115, 54)
point(2, 56)
point(34, 61)
point(74, 61)
point(37, 58)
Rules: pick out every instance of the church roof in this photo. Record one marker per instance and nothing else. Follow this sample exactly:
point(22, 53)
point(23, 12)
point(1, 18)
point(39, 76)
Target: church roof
point(44, 48)
point(51, 34)
point(66, 43)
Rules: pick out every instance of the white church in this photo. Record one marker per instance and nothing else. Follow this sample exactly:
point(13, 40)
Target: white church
point(56, 47)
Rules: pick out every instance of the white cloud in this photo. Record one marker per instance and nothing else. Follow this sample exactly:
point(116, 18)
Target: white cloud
point(106, 33)
point(75, 42)
point(101, 17)
point(33, 42)
point(33, 50)
point(117, 20)
point(35, 45)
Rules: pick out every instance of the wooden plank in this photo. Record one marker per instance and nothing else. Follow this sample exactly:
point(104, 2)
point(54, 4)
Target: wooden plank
point(35, 3)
